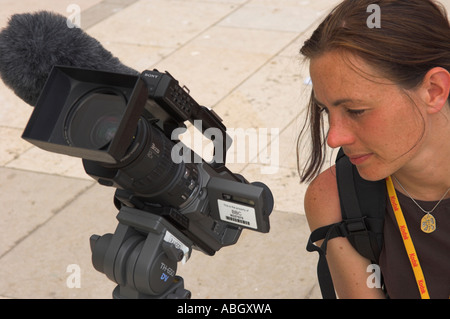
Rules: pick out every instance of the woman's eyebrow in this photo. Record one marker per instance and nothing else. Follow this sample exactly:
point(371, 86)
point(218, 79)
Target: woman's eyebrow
point(337, 102)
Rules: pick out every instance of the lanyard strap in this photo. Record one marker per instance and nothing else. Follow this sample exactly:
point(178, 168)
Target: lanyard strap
point(410, 250)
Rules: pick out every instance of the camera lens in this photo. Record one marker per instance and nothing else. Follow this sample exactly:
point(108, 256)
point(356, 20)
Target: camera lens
point(104, 130)
point(94, 119)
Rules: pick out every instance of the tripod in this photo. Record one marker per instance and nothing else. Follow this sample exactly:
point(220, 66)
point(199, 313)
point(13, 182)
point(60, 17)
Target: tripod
point(142, 256)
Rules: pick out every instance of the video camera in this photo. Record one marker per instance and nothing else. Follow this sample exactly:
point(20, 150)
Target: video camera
point(169, 202)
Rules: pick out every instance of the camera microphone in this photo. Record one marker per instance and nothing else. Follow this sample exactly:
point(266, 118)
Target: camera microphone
point(32, 43)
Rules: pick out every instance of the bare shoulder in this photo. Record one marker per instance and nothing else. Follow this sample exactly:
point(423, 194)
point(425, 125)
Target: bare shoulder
point(348, 268)
point(322, 200)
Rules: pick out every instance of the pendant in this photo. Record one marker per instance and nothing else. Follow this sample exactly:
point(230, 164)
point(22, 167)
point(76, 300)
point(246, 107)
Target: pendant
point(428, 223)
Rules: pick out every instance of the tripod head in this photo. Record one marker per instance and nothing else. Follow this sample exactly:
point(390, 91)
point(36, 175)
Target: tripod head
point(142, 256)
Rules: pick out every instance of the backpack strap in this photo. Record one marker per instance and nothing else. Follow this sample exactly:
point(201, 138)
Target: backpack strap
point(363, 205)
point(363, 208)
point(323, 272)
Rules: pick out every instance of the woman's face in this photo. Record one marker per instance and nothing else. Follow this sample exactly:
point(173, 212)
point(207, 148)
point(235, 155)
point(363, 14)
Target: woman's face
point(377, 124)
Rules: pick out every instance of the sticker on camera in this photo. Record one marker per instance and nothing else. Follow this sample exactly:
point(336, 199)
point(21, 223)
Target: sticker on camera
point(237, 214)
point(171, 239)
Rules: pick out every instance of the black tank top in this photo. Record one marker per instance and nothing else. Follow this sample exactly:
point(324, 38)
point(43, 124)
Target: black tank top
point(433, 251)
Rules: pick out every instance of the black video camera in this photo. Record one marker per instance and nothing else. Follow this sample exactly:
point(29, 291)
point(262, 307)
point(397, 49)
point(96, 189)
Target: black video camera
point(121, 126)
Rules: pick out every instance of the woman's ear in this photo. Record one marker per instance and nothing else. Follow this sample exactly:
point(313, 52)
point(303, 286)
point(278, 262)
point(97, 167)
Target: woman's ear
point(435, 89)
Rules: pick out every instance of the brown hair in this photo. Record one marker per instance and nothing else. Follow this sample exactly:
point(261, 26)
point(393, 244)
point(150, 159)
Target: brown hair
point(414, 37)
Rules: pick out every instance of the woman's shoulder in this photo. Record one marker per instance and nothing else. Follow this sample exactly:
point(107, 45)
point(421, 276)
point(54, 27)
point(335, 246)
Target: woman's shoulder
point(322, 205)
point(347, 266)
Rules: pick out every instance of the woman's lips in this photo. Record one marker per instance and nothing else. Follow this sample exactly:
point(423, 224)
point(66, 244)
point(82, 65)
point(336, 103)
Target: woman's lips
point(359, 159)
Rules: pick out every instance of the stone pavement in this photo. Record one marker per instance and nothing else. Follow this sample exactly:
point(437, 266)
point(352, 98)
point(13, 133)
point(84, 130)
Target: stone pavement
point(239, 57)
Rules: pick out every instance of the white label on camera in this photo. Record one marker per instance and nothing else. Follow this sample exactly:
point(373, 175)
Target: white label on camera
point(237, 214)
point(171, 239)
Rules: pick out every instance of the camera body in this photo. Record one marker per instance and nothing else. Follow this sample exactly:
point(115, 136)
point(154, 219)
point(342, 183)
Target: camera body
point(121, 126)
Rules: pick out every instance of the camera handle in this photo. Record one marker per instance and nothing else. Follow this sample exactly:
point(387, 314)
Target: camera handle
point(142, 256)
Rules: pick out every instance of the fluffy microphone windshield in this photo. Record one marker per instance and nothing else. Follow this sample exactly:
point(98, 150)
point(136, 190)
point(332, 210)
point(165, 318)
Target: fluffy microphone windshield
point(33, 43)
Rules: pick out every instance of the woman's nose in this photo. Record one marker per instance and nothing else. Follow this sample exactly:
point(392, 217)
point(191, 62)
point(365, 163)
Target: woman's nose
point(339, 133)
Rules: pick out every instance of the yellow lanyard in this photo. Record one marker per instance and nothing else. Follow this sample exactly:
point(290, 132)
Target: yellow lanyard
point(410, 250)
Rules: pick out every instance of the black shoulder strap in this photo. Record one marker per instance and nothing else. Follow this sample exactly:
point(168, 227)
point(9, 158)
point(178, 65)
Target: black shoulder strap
point(363, 207)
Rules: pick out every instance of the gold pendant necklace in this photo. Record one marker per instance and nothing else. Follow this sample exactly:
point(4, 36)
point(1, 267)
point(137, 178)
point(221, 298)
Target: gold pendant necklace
point(428, 222)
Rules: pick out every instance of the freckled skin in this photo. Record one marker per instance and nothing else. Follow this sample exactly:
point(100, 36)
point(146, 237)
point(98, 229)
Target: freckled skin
point(391, 127)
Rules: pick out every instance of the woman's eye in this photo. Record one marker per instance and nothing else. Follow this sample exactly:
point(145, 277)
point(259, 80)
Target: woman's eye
point(355, 112)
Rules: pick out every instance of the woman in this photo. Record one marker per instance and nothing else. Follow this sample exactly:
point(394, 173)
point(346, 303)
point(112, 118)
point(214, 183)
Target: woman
point(384, 90)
